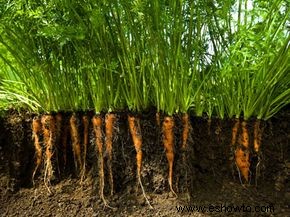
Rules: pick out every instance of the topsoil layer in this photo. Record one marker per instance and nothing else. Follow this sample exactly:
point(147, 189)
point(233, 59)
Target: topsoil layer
point(205, 176)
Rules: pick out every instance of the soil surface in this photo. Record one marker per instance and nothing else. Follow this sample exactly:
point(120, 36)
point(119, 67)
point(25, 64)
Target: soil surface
point(205, 177)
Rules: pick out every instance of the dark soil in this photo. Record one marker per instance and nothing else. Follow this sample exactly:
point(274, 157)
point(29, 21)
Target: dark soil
point(204, 174)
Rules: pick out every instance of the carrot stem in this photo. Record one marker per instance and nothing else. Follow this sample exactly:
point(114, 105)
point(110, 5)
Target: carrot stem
point(110, 121)
point(135, 130)
point(168, 141)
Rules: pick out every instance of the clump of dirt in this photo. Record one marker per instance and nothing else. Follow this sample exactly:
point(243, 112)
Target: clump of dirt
point(204, 174)
point(17, 149)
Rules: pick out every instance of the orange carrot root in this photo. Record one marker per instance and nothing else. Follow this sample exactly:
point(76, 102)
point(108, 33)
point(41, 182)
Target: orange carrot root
point(49, 134)
point(257, 136)
point(110, 121)
point(135, 130)
point(257, 146)
point(45, 127)
point(242, 161)
point(218, 131)
point(242, 153)
point(168, 141)
point(58, 119)
point(97, 125)
point(75, 137)
point(36, 130)
point(245, 135)
point(85, 121)
point(235, 131)
point(64, 143)
point(209, 126)
point(185, 133)
point(158, 118)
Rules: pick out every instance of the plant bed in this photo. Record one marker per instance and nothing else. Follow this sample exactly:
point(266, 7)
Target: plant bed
point(210, 177)
point(120, 107)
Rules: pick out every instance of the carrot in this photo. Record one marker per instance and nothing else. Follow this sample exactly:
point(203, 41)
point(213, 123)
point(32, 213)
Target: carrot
point(135, 130)
point(158, 118)
point(218, 131)
point(48, 124)
point(245, 135)
point(242, 153)
point(85, 121)
point(235, 132)
point(185, 133)
point(168, 142)
point(36, 130)
point(45, 128)
point(97, 125)
point(257, 136)
point(208, 126)
point(110, 121)
point(257, 145)
point(64, 142)
point(242, 161)
point(75, 137)
point(58, 119)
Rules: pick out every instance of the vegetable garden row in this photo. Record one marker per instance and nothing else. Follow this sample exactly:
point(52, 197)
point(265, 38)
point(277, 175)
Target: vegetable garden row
point(222, 59)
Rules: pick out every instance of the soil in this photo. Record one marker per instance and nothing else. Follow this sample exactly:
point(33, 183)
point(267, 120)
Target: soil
point(204, 175)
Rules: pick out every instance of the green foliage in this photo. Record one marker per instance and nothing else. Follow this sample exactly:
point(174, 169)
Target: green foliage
point(251, 73)
point(224, 58)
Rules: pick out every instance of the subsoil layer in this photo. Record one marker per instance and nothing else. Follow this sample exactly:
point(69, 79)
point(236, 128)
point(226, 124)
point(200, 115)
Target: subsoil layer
point(204, 175)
